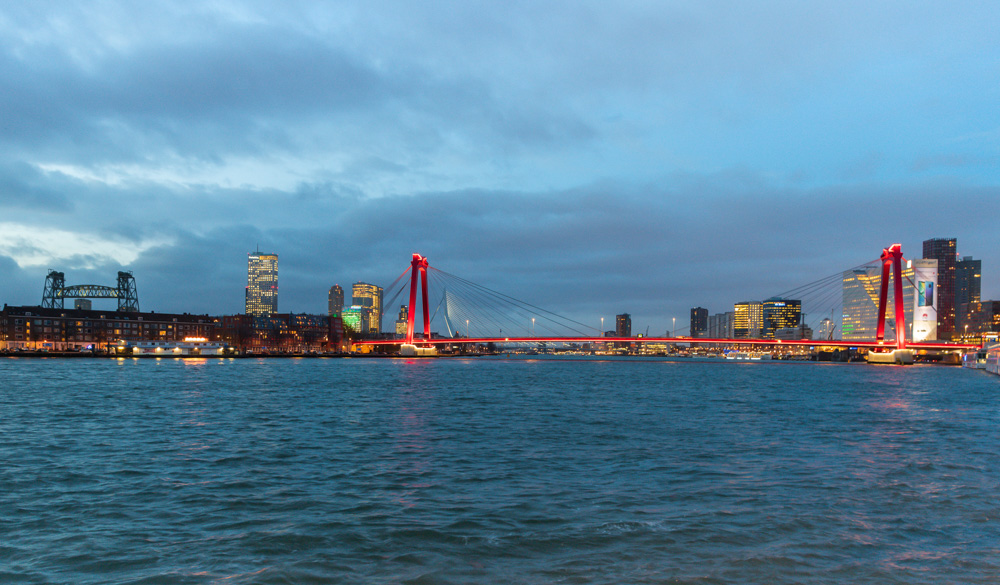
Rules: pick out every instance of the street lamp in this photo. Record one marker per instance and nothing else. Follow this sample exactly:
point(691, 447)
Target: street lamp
point(673, 328)
point(532, 326)
point(466, 328)
point(601, 332)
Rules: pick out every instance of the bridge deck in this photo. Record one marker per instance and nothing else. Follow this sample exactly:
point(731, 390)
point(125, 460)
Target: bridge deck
point(686, 340)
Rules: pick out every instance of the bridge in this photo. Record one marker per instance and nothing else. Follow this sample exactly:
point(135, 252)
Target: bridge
point(890, 261)
point(56, 292)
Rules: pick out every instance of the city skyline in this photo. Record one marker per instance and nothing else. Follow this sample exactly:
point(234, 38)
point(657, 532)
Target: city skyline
point(647, 158)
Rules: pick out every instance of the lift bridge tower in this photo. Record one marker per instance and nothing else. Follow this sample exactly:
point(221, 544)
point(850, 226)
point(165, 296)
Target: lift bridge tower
point(56, 292)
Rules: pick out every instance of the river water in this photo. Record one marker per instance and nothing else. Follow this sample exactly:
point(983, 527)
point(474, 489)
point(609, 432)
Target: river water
point(489, 470)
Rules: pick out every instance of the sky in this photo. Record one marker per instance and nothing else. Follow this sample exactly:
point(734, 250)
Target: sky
point(587, 157)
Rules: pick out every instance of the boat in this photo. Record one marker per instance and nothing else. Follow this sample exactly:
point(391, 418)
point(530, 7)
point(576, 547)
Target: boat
point(992, 364)
point(975, 360)
point(748, 355)
point(189, 347)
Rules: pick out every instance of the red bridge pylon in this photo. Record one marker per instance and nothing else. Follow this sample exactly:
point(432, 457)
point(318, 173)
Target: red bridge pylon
point(891, 256)
point(418, 265)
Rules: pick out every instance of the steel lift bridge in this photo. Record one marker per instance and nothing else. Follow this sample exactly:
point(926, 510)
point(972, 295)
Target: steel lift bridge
point(56, 292)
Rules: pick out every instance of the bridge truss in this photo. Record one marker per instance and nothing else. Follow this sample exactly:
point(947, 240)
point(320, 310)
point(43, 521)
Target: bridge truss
point(56, 292)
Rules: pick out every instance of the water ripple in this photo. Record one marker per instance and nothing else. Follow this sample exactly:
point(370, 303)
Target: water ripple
point(472, 471)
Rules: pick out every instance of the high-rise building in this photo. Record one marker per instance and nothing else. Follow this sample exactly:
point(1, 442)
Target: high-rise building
point(262, 284)
point(943, 250)
point(748, 320)
point(335, 300)
point(861, 289)
point(370, 297)
point(967, 289)
point(699, 322)
point(967, 280)
point(623, 325)
point(720, 325)
point(402, 320)
point(780, 314)
point(357, 318)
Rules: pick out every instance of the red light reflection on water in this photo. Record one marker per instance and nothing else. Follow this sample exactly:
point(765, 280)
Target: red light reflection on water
point(412, 452)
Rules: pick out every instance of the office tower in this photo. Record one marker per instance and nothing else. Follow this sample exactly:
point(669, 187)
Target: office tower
point(699, 322)
point(967, 285)
point(262, 284)
point(402, 320)
point(357, 318)
point(720, 325)
point(748, 320)
point(860, 300)
point(623, 325)
point(861, 289)
point(335, 300)
point(967, 290)
point(943, 250)
point(780, 314)
point(370, 297)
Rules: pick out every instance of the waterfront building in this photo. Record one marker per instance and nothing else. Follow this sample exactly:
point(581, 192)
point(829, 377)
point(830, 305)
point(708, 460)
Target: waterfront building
point(802, 331)
point(781, 314)
point(748, 320)
point(699, 322)
point(967, 290)
point(982, 321)
point(357, 319)
point(861, 287)
point(623, 325)
point(944, 251)
point(262, 284)
point(720, 325)
point(57, 329)
point(369, 296)
point(967, 280)
point(279, 332)
point(335, 300)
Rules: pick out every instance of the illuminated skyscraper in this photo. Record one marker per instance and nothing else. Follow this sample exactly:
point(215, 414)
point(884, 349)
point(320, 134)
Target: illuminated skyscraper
point(780, 314)
point(748, 320)
point(370, 297)
point(262, 284)
point(943, 250)
point(335, 300)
